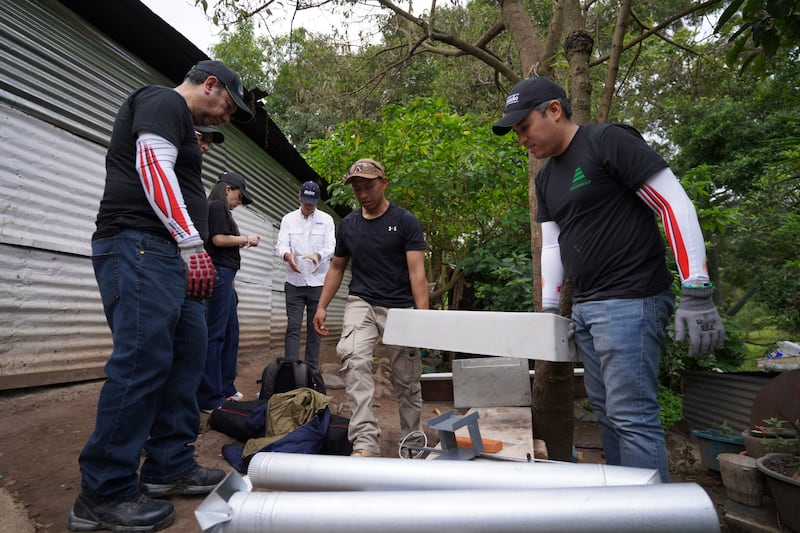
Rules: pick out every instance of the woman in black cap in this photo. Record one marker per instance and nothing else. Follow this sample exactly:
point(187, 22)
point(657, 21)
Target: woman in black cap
point(223, 245)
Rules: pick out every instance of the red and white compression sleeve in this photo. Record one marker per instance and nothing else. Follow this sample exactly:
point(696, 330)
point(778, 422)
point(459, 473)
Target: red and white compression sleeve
point(664, 194)
point(552, 267)
point(155, 162)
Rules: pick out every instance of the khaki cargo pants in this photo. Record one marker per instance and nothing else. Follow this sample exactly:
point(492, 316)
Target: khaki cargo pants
point(363, 325)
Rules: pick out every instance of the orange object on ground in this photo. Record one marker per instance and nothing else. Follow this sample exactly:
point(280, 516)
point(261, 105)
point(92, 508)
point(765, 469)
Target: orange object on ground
point(489, 445)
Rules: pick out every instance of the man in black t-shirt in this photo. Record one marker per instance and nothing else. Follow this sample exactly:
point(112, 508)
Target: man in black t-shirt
point(153, 274)
point(386, 249)
point(597, 196)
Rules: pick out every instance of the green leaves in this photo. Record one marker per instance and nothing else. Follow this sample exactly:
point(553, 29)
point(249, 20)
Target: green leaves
point(770, 25)
point(457, 177)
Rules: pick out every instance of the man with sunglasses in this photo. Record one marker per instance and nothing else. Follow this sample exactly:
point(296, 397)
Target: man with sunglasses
point(386, 248)
point(154, 275)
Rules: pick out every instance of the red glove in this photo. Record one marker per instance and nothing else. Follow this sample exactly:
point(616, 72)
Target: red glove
point(200, 271)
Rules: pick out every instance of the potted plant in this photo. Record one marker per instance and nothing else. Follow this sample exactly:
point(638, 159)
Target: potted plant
point(713, 442)
point(782, 471)
point(774, 436)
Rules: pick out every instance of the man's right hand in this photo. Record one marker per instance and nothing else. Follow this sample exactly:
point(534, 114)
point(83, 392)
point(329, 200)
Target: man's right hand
point(290, 258)
point(199, 270)
point(319, 321)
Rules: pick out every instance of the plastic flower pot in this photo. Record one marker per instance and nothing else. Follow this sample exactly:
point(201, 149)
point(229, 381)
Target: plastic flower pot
point(713, 442)
point(782, 471)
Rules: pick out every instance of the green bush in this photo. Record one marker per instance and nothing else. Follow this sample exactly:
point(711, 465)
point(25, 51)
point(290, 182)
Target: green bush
point(671, 407)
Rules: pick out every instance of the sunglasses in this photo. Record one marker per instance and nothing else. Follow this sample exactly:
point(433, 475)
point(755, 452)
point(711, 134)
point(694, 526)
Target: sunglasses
point(362, 165)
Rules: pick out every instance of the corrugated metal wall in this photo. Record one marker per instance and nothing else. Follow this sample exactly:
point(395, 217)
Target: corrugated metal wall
point(711, 399)
point(61, 82)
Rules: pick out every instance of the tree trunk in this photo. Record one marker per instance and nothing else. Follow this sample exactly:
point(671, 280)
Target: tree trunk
point(553, 384)
point(520, 26)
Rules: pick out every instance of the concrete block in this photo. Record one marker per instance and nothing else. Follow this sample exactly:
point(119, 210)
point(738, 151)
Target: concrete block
point(491, 382)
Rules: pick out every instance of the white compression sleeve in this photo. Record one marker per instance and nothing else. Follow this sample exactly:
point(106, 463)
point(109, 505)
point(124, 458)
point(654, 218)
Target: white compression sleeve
point(664, 194)
point(552, 268)
point(155, 163)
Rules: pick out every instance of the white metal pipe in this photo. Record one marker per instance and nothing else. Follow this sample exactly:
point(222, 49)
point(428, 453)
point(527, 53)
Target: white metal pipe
point(301, 472)
point(678, 507)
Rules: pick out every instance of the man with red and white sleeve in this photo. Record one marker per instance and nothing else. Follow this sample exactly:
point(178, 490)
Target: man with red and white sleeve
point(597, 196)
point(153, 275)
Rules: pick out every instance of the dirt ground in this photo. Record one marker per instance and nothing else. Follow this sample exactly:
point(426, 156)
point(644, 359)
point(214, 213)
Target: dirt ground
point(44, 430)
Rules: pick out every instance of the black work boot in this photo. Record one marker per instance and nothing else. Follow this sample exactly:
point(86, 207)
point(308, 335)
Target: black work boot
point(140, 514)
point(199, 481)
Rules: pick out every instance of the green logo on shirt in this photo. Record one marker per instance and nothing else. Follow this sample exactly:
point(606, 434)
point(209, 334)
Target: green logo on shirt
point(579, 179)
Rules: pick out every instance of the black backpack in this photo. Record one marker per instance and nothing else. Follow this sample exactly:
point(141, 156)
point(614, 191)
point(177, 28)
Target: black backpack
point(283, 375)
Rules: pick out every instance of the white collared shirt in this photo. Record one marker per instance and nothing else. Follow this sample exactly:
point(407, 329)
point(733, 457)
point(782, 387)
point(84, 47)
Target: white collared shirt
point(301, 236)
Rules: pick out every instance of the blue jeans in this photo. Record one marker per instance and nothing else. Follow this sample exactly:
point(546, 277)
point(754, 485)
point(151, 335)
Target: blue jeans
point(619, 342)
point(148, 400)
point(222, 320)
point(299, 299)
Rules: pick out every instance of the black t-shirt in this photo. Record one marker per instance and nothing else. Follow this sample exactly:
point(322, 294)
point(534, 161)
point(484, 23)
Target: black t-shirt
point(162, 111)
point(609, 239)
point(377, 251)
point(220, 222)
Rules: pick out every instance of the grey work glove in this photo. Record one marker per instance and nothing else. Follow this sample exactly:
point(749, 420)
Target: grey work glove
point(697, 314)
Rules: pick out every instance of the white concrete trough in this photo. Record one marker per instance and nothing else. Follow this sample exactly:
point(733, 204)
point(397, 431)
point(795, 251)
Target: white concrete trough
point(541, 336)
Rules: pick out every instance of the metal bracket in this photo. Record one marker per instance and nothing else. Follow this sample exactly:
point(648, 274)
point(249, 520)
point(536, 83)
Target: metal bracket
point(447, 424)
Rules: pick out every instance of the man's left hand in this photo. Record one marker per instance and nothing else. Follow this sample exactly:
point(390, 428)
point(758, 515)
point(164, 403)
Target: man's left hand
point(697, 314)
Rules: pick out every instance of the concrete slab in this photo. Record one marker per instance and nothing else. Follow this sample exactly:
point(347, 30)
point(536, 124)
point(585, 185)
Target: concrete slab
point(741, 518)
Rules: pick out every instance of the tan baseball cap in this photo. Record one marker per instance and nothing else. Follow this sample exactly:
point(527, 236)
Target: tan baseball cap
point(365, 168)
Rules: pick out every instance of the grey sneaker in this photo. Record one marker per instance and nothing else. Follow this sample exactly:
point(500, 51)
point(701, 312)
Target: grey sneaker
point(140, 514)
point(199, 481)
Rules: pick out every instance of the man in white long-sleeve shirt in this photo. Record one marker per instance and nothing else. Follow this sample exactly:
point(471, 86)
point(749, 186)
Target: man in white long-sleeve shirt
point(306, 240)
point(598, 195)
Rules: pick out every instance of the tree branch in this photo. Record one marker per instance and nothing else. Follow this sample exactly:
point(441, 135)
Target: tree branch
point(447, 38)
point(659, 27)
point(613, 65)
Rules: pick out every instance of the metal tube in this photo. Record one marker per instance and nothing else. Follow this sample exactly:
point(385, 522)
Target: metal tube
point(301, 472)
point(678, 507)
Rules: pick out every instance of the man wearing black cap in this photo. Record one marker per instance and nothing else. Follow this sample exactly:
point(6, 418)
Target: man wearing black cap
point(597, 196)
point(153, 274)
point(306, 240)
point(207, 137)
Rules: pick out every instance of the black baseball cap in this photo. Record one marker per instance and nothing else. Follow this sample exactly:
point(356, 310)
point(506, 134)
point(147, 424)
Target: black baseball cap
point(230, 80)
point(216, 136)
point(309, 193)
point(523, 98)
point(237, 181)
